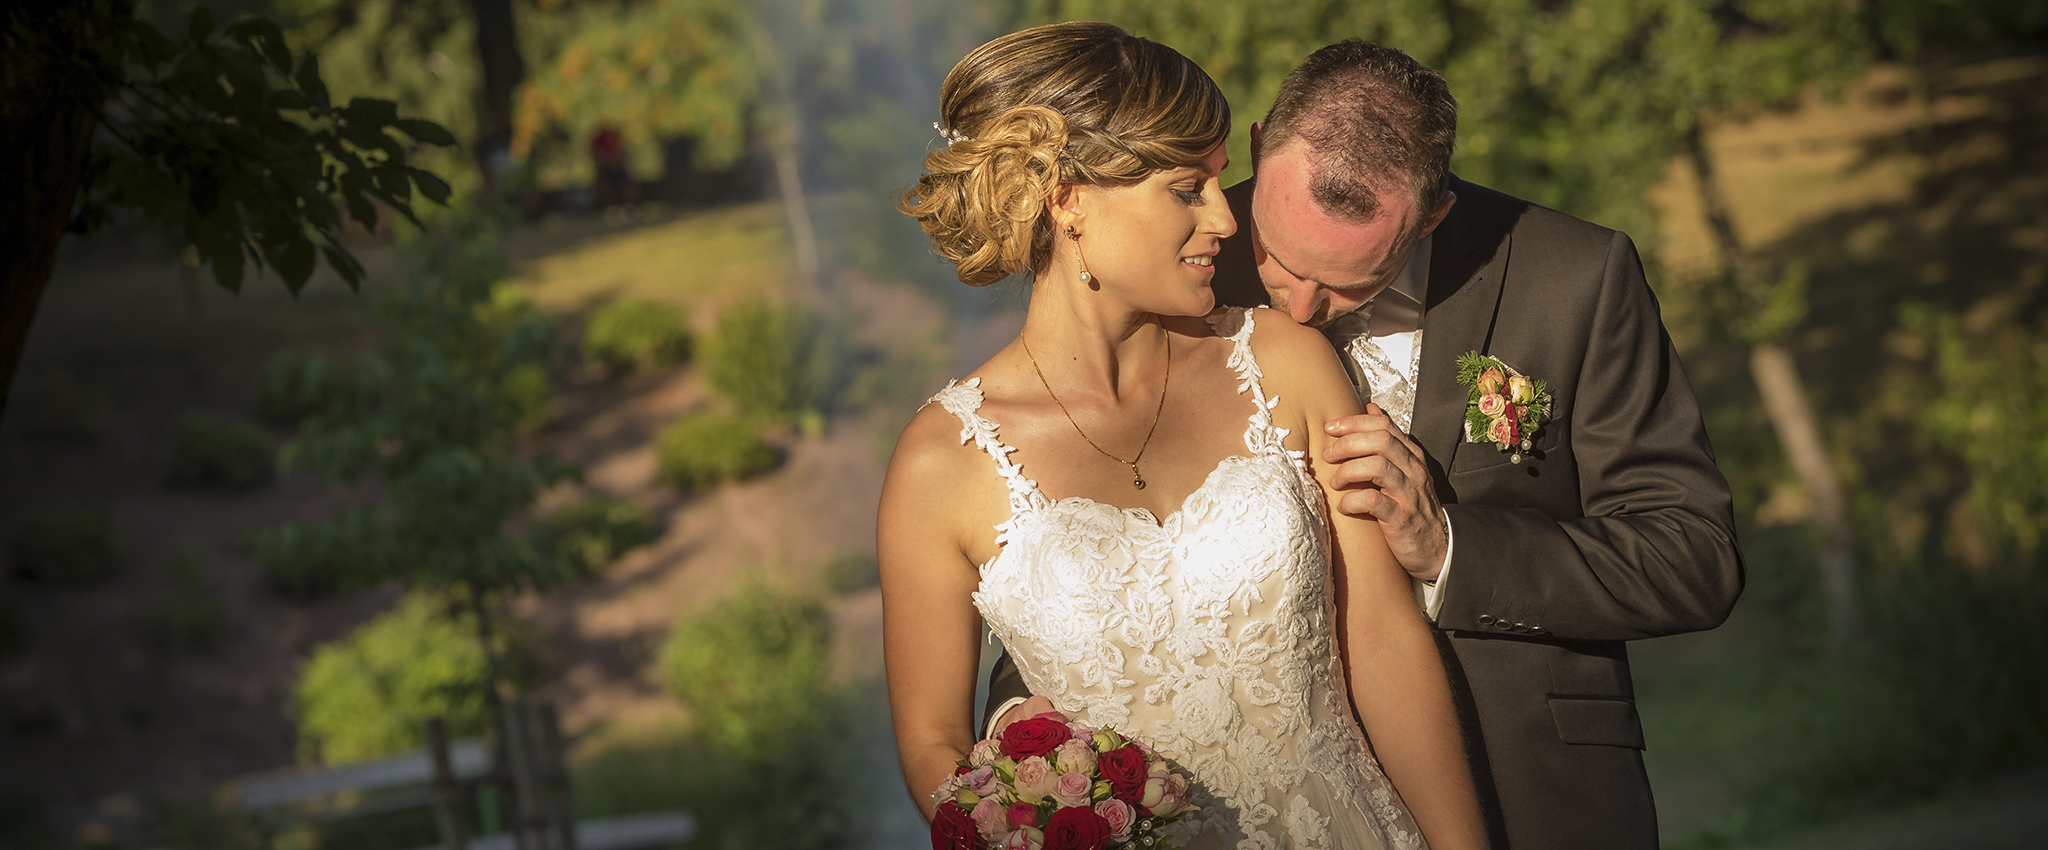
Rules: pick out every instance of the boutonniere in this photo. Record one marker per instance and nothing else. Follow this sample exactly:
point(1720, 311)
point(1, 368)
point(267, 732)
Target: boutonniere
point(1505, 407)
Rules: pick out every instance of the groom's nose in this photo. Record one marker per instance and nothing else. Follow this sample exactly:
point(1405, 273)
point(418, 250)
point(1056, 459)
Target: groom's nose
point(1304, 300)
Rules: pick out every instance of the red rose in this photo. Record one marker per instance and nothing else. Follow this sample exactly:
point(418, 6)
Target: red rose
point(1077, 828)
point(1035, 737)
point(1124, 768)
point(953, 828)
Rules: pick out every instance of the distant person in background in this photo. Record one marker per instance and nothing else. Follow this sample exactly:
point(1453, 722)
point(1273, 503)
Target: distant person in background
point(1539, 556)
point(613, 187)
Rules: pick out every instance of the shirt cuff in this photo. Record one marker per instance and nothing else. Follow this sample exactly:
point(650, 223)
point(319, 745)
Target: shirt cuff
point(996, 716)
point(1432, 592)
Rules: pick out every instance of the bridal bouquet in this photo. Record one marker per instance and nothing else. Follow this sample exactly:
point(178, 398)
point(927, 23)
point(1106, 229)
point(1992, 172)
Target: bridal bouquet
point(1051, 784)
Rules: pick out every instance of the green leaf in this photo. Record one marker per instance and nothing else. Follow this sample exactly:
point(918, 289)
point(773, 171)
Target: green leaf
point(432, 186)
point(371, 112)
point(344, 264)
point(268, 39)
point(227, 268)
point(294, 262)
point(425, 132)
point(308, 81)
point(200, 26)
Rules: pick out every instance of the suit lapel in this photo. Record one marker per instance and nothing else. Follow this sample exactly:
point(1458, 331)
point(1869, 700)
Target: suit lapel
point(1468, 259)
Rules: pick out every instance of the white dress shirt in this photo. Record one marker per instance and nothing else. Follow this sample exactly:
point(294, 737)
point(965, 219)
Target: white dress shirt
point(1381, 345)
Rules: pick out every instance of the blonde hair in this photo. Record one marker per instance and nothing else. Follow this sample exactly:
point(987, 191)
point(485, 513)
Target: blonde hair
point(1062, 104)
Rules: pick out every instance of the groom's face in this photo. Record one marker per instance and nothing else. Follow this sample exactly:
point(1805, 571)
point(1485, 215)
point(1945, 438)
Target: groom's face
point(1315, 266)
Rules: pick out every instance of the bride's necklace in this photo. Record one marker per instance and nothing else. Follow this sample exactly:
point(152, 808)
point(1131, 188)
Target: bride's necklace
point(1137, 478)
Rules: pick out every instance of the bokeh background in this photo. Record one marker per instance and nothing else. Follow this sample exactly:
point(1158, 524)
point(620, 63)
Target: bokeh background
point(607, 427)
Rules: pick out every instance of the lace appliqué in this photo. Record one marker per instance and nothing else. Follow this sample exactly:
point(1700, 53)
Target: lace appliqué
point(1210, 633)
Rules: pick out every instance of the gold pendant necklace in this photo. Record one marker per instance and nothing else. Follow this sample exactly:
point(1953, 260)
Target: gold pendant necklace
point(1137, 478)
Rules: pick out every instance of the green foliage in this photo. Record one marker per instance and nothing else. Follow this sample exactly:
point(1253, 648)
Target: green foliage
point(852, 571)
point(308, 561)
point(211, 452)
point(1991, 409)
point(433, 414)
point(633, 334)
point(72, 548)
point(291, 381)
point(595, 531)
point(371, 693)
point(192, 618)
point(228, 138)
point(777, 363)
point(655, 71)
point(772, 733)
point(752, 668)
point(706, 448)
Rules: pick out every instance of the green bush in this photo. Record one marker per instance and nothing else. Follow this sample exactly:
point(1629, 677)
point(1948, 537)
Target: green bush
point(307, 561)
point(216, 453)
point(75, 548)
point(371, 693)
point(776, 363)
point(631, 334)
point(191, 620)
point(595, 531)
point(851, 571)
point(295, 385)
point(705, 449)
point(753, 667)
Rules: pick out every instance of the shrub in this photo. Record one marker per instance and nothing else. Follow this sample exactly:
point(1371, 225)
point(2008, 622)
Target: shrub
point(631, 334)
point(595, 531)
point(753, 667)
point(705, 449)
point(777, 363)
point(371, 693)
point(295, 386)
point(192, 619)
point(216, 453)
point(852, 571)
point(75, 548)
point(307, 561)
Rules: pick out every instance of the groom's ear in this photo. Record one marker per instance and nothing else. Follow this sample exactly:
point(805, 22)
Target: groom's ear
point(1257, 130)
point(1443, 208)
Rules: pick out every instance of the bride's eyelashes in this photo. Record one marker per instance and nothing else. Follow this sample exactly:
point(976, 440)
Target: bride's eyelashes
point(1191, 197)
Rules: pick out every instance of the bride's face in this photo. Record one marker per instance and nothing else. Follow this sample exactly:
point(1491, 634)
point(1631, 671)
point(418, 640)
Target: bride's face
point(1154, 242)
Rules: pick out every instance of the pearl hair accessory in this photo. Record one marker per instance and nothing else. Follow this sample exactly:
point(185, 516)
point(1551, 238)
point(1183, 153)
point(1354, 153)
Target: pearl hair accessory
point(949, 135)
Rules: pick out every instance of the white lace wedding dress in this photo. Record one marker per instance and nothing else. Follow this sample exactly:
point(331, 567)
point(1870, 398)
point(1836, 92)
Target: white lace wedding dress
point(1210, 635)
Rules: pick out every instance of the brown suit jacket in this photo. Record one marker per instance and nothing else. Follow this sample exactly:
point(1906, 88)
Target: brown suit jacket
point(1617, 527)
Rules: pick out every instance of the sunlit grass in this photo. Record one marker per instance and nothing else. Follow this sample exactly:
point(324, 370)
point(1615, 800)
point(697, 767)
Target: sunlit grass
point(700, 261)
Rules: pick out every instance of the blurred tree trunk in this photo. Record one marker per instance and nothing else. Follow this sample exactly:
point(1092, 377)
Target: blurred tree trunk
point(497, 47)
point(1787, 404)
point(785, 146)
point(51, 94)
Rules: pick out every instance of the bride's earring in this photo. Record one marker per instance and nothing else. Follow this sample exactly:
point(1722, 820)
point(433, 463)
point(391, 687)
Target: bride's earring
point(1085, 276)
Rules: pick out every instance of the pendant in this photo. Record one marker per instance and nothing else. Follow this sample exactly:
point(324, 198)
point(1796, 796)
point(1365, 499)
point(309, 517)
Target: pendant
point(1137, 478)
point(1138, 483)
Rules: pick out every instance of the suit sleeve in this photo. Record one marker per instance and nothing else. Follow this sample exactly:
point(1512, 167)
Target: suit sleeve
point(1004, 684)
point(1654, 550)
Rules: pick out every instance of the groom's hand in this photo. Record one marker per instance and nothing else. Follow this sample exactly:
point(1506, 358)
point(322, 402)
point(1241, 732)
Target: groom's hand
point(1023, 711)
point(1386, 479)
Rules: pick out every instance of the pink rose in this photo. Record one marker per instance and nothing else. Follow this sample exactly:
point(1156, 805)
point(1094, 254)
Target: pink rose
point(1023, 814)
point(1075, 757)
point(1163, 795)
point(1492, 404)
point(1034, 779)
point(992, 820)
point(983, 780)
point(1025, 838)
point(1120, 816)
point(1082, 731)
point(1490, 381)
point(986, 752)
point(1071, 789)
point(1501, 431)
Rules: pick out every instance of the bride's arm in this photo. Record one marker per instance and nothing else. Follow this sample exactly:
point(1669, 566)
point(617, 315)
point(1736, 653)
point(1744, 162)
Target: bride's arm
point(1391, 661)
point(930, 630)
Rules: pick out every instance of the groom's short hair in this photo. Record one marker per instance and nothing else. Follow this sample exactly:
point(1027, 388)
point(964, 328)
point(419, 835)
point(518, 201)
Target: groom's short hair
point(1369, 115)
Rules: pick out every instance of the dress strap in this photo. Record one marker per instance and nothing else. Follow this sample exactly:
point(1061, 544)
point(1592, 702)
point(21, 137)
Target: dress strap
point(963, 400)
point(1260, 434)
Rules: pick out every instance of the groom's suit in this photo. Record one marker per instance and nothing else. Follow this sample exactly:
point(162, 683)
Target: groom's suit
point(1617, 526)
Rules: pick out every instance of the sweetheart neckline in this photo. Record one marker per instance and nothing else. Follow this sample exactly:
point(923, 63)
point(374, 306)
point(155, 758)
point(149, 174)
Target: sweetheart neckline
point(1158, 521)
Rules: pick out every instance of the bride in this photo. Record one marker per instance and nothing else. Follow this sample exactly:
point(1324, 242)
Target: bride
point(1127, 499)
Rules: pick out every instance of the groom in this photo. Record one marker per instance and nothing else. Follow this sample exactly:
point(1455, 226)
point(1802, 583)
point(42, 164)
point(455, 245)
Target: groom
point(1614, 525)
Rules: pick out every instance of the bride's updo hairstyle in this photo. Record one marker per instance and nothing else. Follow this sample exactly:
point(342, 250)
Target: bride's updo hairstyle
point(1073, 103)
